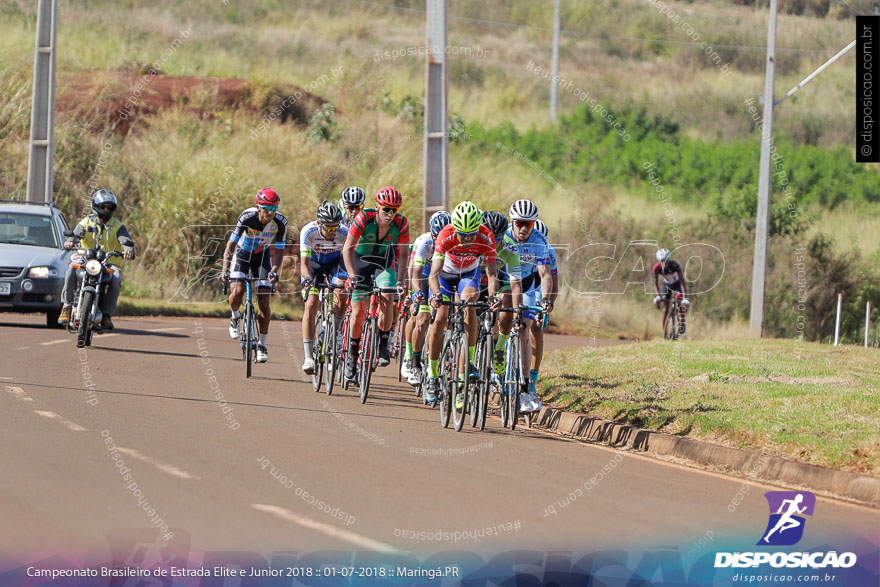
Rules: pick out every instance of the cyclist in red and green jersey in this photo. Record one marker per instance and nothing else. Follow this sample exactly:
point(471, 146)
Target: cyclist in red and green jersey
point(377, 243)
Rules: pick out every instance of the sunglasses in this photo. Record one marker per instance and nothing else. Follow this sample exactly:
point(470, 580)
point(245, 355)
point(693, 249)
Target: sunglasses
point(330, 227)
point(467, 234)
point(269, 208)
point(388, 210)
point(109, 207)
point(355, 208)
point(524, 223)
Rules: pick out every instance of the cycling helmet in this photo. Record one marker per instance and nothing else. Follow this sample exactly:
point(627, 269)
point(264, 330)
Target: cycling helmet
point(466, 217)
point(100, 198)
point(541, 227)
point(663, 255)
point(267, 197)
point(523, 210)
point(496, 222)
point(352, 196)
point(328, 213)
point(389, 197)
point(438, 221)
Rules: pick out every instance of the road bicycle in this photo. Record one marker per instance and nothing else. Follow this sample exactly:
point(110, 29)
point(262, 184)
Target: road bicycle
point(248, 334)
point(515, 381)
point(483, 361)
point(324, 350)
point(673, 325)
point(369, 354)
point(398, 343)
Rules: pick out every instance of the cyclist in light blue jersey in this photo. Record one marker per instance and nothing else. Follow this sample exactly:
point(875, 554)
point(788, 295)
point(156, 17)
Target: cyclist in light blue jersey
point(534, 252)
point(535, 297)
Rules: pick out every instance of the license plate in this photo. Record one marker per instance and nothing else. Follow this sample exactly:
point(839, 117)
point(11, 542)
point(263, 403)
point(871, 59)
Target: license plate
point(5, 288)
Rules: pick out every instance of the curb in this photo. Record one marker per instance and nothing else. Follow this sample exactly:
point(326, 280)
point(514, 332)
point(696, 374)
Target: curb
point(855, 486)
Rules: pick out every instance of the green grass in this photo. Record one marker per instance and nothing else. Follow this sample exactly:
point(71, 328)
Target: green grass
point(811, 403)
point(150, 307)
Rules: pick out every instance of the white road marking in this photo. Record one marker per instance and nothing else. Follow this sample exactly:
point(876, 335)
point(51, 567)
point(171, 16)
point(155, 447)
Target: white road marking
point(22, 348)
point(333, 531)
point(18, 392)
point(6, 378)
point(163, 329)
point(67, 423)
point(60, 340)
point(170, 469)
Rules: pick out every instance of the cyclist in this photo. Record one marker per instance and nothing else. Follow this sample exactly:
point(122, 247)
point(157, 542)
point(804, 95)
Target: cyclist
point(250, 248)
point(533, 247)
point(351, 202)
point(320, 251)
point(673, 281)
point(110, 233)
point(419, 270)
point(536, 333)
point(376, 238)
point(455, 269)
point(510, 279)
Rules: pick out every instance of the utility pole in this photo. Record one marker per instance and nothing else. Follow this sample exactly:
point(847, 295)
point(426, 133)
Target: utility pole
point(42, 140)
point(436, 194)
point(554, 80)
point(762, 220)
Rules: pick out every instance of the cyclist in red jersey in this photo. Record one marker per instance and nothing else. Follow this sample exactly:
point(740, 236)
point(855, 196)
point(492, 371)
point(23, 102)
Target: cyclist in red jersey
point(377, 244)
point(455, 269)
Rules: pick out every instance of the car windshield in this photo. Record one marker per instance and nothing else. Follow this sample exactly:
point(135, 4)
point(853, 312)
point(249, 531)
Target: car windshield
point(27, 229)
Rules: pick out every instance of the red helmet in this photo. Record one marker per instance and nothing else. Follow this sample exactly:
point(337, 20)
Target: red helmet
point(267, 197)
point(389, 197)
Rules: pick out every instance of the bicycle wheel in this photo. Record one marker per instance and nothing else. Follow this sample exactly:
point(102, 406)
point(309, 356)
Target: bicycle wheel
point(84, 319)
point(399, 346)
point(487, 369)
point(331, 354)
point(474, 394)
point(461, 380)
point(514, 380)
point(318, 350)
point(447, 367)
point(368, 356)
point(344, 352)
point(670, 323)
point(249, 337)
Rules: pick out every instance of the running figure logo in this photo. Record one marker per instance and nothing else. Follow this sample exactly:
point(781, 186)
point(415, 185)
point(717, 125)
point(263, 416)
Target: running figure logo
point(786, 525)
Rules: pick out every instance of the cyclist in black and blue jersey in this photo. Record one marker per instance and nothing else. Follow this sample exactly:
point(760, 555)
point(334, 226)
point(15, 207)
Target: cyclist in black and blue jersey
point(320, 251)
point(256, 245)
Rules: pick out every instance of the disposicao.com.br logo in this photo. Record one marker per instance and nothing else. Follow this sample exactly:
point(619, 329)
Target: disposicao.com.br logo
point(785, 528)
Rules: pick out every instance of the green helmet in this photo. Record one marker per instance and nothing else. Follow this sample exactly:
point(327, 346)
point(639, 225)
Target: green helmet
point(466, 217)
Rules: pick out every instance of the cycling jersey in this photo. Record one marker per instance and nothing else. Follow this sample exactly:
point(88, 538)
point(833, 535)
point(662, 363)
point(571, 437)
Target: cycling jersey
point(508, 255)
point(671, 273)
point(252, 236)
point(460, 258)
point(422, 253)
point(532, 252)
point(313, 245)
point(551, 262)
point(365, 228)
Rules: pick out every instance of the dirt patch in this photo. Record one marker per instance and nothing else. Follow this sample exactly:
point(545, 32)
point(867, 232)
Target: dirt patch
point(121, 97)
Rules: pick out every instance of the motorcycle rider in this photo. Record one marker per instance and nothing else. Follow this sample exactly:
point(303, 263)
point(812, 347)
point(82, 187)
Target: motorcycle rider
point(110, 234)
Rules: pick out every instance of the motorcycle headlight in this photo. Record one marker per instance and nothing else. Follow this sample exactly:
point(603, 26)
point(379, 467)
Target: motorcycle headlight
point(42, 272)
point(93, 267)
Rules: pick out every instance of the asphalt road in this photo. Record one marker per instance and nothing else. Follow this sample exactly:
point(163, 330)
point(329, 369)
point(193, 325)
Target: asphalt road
point(258, 477)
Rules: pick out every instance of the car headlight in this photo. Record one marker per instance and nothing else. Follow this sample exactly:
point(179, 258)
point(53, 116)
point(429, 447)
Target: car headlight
point(93, 267)
point(42, 272)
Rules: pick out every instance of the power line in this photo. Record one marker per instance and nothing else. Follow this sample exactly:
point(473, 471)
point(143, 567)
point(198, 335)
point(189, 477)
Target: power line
point(582, 35)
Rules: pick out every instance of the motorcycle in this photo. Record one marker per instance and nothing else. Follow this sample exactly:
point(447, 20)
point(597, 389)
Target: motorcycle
point(93, 272)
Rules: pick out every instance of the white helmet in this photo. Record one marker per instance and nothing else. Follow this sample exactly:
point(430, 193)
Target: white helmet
point(663, 255)
point(523, 210)
point(541, 227)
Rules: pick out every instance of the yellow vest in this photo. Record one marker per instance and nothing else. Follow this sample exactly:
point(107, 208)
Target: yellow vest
point(105, 234)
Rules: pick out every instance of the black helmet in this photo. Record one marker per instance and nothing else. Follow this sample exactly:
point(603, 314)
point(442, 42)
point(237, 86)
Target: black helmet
point(329, 213)
point(100, 198)
point(496, 222)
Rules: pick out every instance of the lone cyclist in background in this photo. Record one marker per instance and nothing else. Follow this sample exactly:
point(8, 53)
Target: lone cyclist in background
point(320, 251)
point(111, 235)
point(673, 281)
point(250, 248)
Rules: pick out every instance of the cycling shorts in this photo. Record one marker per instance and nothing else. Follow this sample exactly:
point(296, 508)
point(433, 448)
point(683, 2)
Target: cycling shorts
point(327, 271)
point(259, 264)
point(371, 273)
point(452, 283)
point(666, 289)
